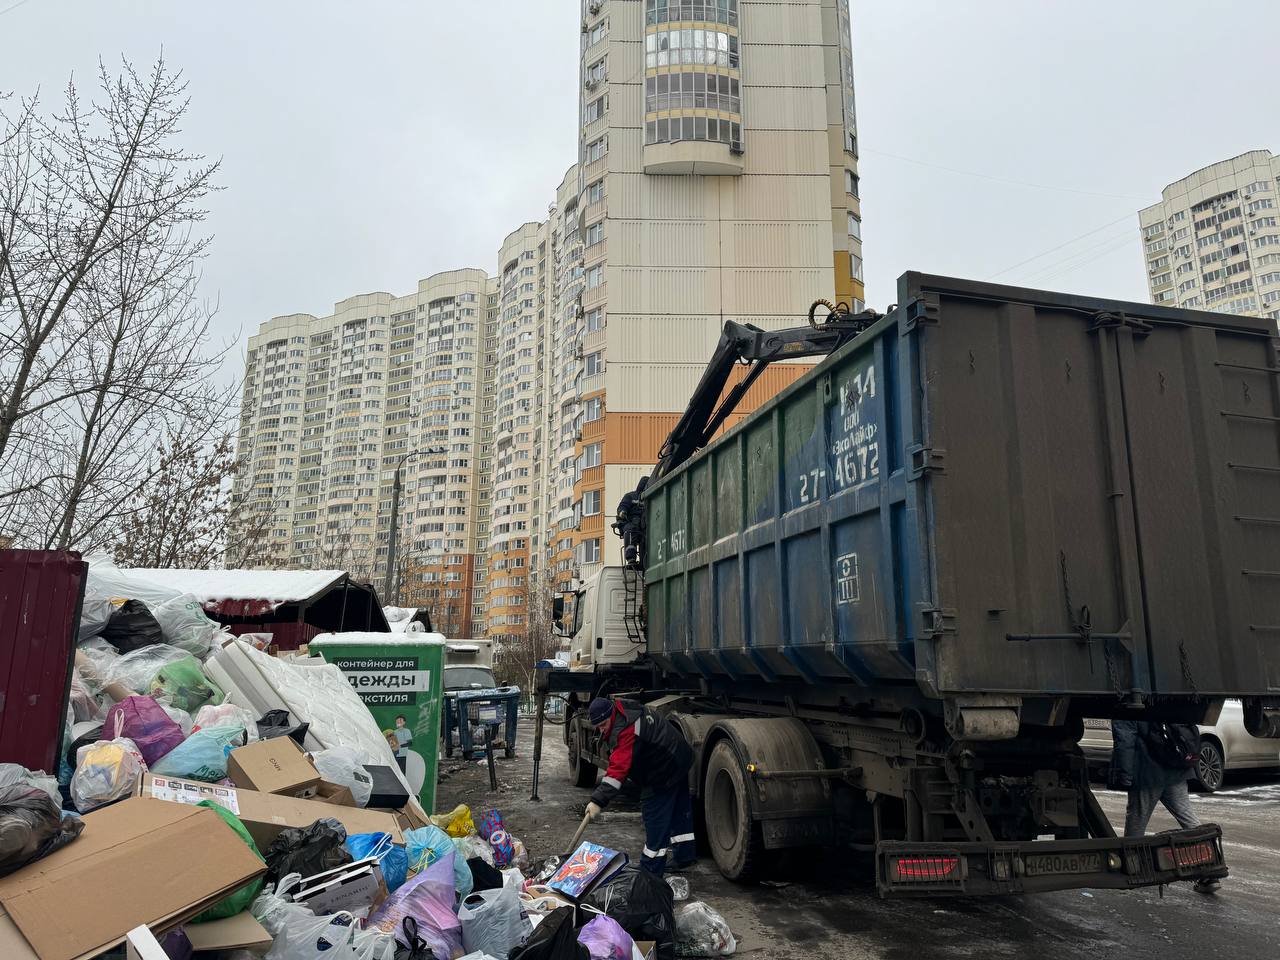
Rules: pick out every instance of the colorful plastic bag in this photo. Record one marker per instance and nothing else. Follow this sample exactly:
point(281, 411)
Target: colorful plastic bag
point(136, 670)
point(222, 714)
point(426, 845)
point(182, 683)
point(457, 822)
point(391, 857)
point(203, 755)
point(105, 771)
point(238, 900)
point(605, 939)
point(143, 721)
point(428, 898)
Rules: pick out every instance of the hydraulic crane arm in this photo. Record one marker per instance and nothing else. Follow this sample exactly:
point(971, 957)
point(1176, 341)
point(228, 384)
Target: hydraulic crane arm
point(706, 412)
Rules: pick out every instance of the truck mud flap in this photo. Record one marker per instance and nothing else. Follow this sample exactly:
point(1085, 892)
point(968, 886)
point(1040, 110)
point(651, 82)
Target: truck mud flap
point(1034, 866)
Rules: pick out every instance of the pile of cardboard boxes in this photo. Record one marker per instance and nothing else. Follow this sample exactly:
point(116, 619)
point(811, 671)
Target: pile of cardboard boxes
point(156, 860)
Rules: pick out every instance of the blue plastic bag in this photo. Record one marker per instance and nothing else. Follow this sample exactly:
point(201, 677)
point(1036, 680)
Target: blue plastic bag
point(391, 857)
point(203, 755)
point(426, 845)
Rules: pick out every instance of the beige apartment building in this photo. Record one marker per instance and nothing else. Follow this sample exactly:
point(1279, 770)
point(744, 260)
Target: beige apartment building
point(1213, 240)
point(716, 180)
point(333, 405)
point(718, 154)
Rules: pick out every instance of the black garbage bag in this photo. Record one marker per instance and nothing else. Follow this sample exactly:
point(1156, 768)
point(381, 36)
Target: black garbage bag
point(555, 938)
point(31, 826)
point(417, 948)
point(275, 723)
point(132, 627)
point(307, 850)
point(642, 904)
point(485, 875)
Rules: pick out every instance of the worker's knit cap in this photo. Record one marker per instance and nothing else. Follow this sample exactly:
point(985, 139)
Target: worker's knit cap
point(599, 710)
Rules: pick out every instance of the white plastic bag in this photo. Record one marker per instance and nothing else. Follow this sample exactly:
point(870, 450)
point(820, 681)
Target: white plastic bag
point(492, 921)
point(105, 771)
point(298, 934)
point(343, 766)
point(221, 714)
point(135, 670)
point(184, 624)
point(180, 717)
point(701, 932)
point(11, 773)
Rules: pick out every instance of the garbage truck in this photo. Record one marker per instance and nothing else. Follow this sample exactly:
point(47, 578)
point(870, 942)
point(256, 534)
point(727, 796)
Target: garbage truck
point(880, 607)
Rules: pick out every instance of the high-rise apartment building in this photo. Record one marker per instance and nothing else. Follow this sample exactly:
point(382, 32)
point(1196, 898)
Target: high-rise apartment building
point(1213, 240)
point(716, 180)
point(718, 155)
point(332, 406)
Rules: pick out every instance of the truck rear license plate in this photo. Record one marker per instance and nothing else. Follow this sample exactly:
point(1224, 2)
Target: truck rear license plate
point(1042, 864)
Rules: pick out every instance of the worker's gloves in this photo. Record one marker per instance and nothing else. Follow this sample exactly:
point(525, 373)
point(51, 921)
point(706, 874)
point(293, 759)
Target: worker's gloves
point(593, 810)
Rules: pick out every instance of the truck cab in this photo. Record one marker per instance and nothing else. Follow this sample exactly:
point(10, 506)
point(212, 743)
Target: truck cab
point(598, 632)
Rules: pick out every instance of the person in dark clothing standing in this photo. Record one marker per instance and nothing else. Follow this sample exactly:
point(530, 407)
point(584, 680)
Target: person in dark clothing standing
point(1149, 782)
point(647, 750)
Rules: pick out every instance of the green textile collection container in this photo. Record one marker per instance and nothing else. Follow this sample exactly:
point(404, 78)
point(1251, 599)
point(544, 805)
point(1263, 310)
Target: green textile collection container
point(399, 677)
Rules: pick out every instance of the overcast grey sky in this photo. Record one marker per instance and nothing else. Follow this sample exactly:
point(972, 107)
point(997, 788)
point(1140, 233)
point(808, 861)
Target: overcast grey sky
point(368, 143)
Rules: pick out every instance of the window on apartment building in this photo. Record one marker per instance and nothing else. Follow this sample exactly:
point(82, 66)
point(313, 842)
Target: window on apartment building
point(591, 455)
point(595, 320)
point(590, 503)
point(1266, 203)
point(595, 110)
point(598, 33)
point(1153, 231)
point(595, 191)
point(1261, 222)
point(1155, 246)
point(594, 363)
point(1268, 278)
point(851, 182)
point(589, 551)
point(1177, 217)
point(593, 409)
point(855, 226)
point(1160, 279)
point(596, 149)
point(1159, 263)
point(595, 276)
point(855, 267)
point(596, 71)
point(594, 234)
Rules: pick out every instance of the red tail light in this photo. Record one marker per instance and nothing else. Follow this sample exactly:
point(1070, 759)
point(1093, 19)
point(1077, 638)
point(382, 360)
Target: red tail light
point(1186, 855)
point(926, 868)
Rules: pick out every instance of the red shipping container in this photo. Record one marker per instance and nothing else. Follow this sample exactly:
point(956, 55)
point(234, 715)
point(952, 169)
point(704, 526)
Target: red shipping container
point(40, 596)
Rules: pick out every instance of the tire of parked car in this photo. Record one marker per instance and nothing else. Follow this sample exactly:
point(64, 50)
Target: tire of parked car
point(1210, 767)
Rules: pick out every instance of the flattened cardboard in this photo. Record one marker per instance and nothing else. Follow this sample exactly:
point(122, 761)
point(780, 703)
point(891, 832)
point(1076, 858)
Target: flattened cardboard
point(241, 932)
point(264, 815)
point(277, 765)
point(13, 945)
point(170, 861)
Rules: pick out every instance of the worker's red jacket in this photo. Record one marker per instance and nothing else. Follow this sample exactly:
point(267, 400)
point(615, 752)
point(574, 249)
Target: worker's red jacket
point(644, 748)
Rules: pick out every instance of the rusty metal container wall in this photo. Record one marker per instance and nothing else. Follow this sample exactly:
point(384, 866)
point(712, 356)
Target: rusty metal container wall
point(41, 592)
point(994, 490)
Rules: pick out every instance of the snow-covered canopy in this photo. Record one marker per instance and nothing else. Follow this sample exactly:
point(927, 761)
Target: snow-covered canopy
point(211, 587)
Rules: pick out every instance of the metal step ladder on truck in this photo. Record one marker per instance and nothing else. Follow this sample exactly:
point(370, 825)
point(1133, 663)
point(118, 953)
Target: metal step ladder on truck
point(881, 606)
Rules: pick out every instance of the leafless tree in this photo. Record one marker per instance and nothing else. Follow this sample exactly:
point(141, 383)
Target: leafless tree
point(180, 519)
point(514, 659)
point(105, 361)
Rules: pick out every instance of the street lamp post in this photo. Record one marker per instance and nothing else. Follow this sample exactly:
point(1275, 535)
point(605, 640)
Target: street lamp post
point(391, 580)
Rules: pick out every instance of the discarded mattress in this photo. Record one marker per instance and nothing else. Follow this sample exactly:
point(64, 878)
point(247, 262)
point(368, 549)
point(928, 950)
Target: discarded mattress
point(310, 690)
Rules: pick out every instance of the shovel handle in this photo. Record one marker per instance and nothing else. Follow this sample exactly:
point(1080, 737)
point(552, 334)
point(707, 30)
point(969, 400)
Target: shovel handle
point(582, 828)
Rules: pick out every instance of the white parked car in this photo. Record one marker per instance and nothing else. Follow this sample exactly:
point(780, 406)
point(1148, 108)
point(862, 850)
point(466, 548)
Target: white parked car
point(1225, 746)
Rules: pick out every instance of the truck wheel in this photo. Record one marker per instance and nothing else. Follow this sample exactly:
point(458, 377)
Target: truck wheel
point(734, 837)
point(581, 772)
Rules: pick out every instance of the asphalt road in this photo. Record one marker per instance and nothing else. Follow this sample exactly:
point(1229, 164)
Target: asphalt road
point(826, 907)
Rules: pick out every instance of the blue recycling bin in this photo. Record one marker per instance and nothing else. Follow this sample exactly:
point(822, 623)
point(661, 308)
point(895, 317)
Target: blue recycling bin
point(477, 714)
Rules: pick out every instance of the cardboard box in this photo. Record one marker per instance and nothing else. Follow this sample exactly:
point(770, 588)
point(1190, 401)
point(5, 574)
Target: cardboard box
point(277, 765)
point(264, 815)
point(327, 792)
point(358, 888)
point(138, 862)
point(241, 932)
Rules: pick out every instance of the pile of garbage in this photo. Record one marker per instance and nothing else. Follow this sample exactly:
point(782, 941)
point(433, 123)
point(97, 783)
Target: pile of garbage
point(215, 802)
